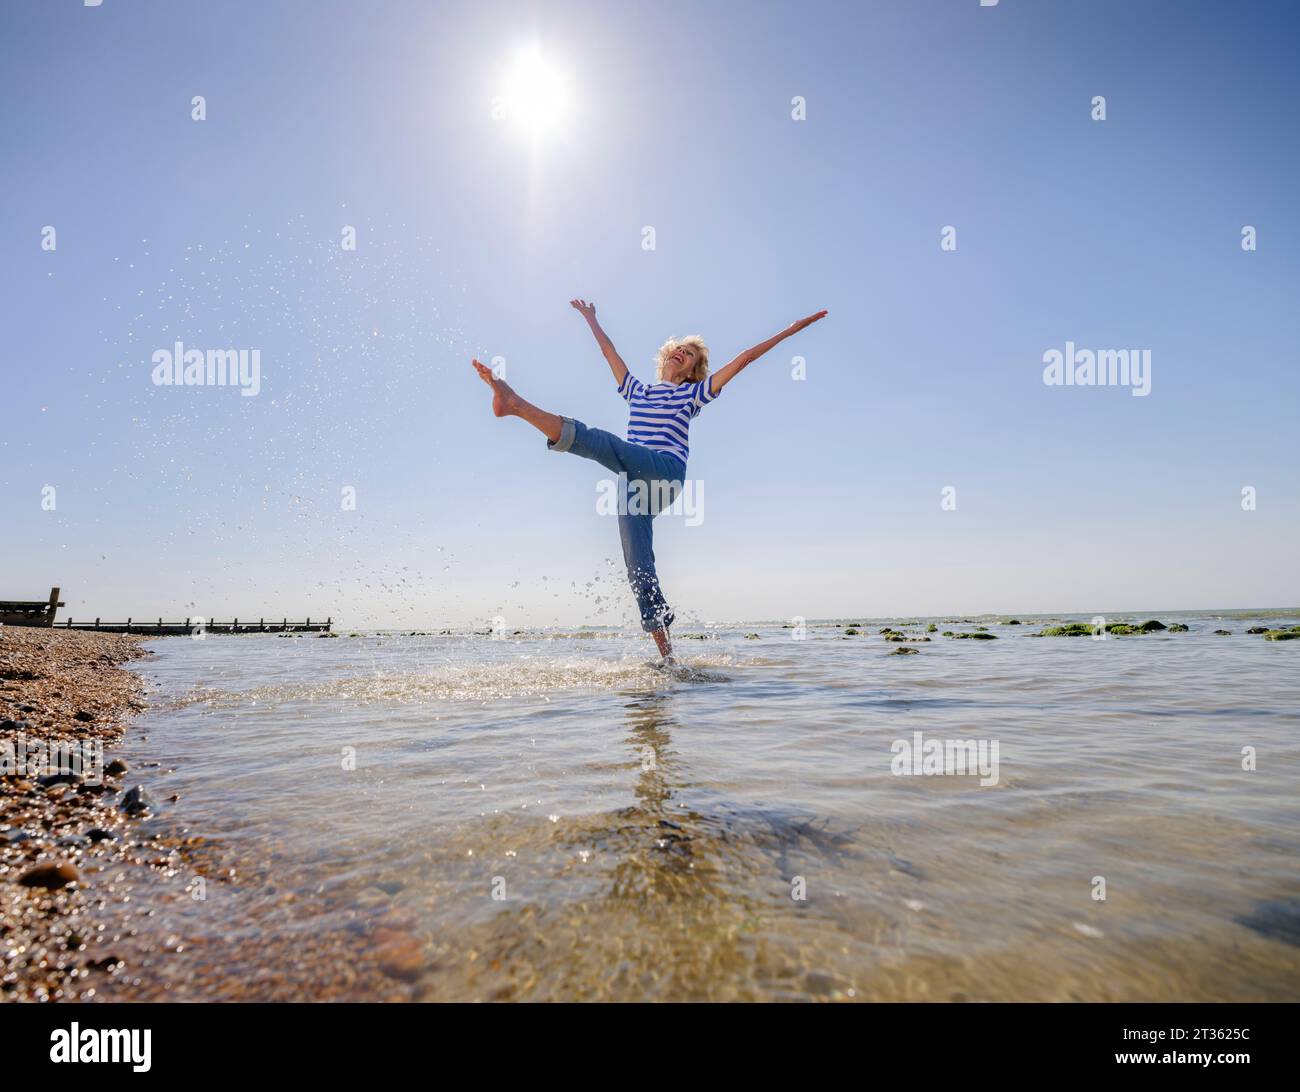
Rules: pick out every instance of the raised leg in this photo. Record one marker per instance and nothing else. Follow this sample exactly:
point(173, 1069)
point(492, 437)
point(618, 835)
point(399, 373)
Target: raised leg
point(506, 403)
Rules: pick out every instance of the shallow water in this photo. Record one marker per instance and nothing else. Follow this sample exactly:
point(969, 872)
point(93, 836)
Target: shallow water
point(547, 817)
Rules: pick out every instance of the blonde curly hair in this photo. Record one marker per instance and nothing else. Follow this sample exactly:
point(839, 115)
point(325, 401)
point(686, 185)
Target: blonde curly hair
point(674, 343)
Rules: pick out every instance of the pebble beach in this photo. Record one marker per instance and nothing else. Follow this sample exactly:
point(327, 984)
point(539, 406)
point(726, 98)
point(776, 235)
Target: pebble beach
point(100, 887)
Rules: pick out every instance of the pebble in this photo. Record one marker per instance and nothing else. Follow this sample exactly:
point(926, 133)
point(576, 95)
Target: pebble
point(137, 801)
point(51, 876)
point(399, 954)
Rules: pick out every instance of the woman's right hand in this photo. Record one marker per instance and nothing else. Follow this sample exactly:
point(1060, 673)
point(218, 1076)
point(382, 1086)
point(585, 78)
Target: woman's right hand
point(585, 309)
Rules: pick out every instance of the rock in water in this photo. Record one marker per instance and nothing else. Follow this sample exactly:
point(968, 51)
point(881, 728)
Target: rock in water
point(1071, 629)
point(399, 954)
point(137, 801)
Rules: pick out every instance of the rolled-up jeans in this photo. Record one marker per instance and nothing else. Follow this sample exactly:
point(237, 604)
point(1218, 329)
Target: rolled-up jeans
point(662, 476)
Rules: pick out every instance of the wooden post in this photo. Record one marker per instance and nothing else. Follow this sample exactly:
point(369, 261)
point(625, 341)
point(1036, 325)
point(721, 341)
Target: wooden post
point(53, 607)
point(97, 623)
point(261, 622)
point(128, 625)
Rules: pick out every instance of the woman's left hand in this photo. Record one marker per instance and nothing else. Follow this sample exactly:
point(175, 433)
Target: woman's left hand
point(803, 322)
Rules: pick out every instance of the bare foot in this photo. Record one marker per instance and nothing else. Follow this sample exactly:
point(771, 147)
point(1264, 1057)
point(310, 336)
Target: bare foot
point(504, 398)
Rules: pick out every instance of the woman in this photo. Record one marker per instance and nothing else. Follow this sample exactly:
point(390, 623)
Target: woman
point(653, 457)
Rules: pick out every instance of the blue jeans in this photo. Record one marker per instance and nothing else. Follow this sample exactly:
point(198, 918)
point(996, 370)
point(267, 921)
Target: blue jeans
point(658, 469)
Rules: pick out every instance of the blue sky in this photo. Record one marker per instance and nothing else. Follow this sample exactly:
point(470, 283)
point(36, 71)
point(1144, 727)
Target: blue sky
point(822, 497)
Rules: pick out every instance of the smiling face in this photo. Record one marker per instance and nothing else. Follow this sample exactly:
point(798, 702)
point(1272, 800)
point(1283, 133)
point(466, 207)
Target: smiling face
point(681, 363)
point(683, 360)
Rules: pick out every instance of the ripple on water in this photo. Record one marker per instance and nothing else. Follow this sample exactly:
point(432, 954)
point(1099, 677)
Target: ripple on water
point(552, 817)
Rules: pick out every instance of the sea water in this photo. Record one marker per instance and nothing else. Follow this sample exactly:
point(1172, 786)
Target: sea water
point(555, 818)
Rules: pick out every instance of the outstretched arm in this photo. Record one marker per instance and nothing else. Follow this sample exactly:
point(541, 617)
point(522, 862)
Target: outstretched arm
point(588, 311)
point(721, 378)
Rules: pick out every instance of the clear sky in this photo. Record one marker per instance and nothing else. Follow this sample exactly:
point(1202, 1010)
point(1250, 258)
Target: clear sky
point(823, 496)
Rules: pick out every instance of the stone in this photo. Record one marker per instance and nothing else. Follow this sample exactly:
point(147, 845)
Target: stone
point(51, 876)
point(137, 801)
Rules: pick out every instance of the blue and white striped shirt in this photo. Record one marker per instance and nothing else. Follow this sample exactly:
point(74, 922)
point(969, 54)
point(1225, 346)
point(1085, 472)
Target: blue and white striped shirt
point(660, 414)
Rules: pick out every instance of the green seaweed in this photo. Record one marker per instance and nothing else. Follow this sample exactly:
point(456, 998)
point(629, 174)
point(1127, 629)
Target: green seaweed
point(1071, 629)
point(977, 636)
point(1177, 627)
point(1282, 635)
point(903, 652)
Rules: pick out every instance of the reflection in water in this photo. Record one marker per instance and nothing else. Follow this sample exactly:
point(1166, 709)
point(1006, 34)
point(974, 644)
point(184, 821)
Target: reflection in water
point(651, 851)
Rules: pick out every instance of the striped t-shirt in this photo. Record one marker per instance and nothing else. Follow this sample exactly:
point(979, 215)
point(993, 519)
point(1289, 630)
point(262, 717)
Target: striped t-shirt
point(660, 414)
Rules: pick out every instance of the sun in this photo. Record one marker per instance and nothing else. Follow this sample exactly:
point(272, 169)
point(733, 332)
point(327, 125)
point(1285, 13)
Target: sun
point(538, 96)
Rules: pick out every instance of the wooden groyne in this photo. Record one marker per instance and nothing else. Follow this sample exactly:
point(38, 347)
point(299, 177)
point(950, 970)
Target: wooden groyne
point(196, 626)
point(41, 612)
point(30, 612)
